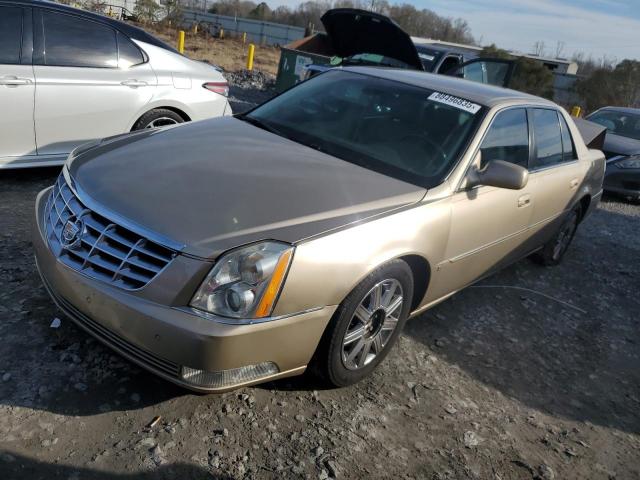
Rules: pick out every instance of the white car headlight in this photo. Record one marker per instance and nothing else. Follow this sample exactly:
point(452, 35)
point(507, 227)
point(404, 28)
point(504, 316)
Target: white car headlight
point(245, 283)
point(629, 162)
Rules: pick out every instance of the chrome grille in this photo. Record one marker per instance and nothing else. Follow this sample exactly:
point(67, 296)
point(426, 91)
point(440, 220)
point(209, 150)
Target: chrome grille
point(106, 251)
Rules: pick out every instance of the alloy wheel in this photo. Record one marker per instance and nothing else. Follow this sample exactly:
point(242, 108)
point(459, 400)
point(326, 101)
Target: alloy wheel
point(372, 325)
point(161, 122)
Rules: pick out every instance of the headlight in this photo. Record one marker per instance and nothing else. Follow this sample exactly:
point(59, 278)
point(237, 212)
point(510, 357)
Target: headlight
point(629, 162)
point(245, 283)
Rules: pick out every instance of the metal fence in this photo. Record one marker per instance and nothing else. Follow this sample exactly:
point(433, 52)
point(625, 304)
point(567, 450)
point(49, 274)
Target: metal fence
point(264, 33)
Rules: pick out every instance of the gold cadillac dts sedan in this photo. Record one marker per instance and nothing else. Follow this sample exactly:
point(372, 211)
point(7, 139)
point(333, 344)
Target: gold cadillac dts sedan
point(305, 232)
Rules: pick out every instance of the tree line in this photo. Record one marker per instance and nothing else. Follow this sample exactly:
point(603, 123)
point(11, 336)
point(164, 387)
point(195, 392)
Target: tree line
point(422, 23)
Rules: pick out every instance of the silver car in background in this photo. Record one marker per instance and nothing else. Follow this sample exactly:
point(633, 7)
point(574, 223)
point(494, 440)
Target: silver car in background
point(68, 76)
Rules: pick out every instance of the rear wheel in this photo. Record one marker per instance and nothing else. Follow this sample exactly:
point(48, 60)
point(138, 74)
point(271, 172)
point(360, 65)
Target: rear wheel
point(366, 325)
point(158, 117)
point(553, 251)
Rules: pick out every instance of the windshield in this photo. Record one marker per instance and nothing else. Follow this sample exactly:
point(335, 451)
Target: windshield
point(620, 123)
point(410, 133)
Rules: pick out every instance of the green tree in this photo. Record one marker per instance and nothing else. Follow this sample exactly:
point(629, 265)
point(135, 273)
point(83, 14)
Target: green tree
point(261, 12)
point(529, 76)
point(146, 10)
point(613, 86)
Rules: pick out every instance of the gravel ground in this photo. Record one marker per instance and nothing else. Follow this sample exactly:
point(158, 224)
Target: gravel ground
point(495, 383)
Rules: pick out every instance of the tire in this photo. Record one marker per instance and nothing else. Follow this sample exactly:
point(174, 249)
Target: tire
point(158, 117)
point(331, 360)
point(554, 250)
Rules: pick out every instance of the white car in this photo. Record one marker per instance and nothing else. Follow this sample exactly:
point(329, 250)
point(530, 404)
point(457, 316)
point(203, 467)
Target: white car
point(68, 76)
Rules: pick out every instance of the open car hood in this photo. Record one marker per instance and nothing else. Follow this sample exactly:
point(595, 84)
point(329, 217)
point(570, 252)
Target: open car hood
point(352, 31)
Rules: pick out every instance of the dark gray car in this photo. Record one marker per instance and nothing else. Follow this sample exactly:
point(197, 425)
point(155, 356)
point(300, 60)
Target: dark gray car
point(622, 149)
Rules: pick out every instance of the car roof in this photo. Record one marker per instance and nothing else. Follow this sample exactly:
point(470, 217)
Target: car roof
point(128, 29)
point(476, 92)
point(635, 111)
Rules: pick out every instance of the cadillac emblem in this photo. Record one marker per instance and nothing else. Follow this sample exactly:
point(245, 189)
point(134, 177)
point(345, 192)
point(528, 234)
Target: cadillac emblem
point(72, 233)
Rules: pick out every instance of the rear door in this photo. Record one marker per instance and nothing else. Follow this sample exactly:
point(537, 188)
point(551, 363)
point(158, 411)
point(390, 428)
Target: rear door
point(555, 172)
point(492, 71)
point(91, 81)
point(17, 85)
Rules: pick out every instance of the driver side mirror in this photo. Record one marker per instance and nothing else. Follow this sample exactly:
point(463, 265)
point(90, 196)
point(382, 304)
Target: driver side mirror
point(498, 173)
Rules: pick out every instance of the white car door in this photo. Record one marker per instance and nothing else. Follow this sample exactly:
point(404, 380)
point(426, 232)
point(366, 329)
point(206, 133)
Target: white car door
point(90, 81)
point(16, 86)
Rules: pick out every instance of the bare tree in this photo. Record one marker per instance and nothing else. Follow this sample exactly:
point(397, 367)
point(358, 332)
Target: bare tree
point(559, 48)
point(539, 48)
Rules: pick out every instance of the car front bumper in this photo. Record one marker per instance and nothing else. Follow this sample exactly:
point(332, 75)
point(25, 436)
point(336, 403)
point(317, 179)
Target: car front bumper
point(171, 340)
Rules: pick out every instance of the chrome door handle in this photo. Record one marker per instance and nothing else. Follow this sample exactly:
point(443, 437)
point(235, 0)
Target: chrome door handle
point(134, 83)
point(14, 81)
point(524, 200)
point(574, 184)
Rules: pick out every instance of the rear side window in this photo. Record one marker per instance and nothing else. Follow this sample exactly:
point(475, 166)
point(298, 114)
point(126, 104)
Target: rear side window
point(128, 53)
point(507, 138)
point(568, 150)
point(74, 42)
point(10, 35)
point(548, 138)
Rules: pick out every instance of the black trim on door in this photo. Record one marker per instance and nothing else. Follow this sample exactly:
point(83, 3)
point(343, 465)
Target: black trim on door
point(26, 55)
point(38, 37)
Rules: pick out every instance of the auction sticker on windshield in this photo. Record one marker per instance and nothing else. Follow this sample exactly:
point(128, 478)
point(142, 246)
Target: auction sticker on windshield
point(457, 102)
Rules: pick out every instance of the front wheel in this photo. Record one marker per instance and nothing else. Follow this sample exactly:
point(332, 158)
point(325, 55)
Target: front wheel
point(366, 325)
point(553, 251)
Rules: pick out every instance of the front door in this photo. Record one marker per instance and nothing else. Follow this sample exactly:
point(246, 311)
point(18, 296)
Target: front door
point(488, 224)
point(88, 82)
point(17, 86)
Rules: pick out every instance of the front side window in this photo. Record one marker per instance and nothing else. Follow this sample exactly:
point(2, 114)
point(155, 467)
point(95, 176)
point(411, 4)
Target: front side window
point(10, 35)
point(74, 42)
point(507, 138)
point(548, 138)
point(400, 130)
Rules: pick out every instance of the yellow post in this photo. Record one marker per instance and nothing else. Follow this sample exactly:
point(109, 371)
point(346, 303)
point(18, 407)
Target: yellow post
point(576, 111)
point(222, 33)
point(252, 49)
point(244, 38)
point(181, 41)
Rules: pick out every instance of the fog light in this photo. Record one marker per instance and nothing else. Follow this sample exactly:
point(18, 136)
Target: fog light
point(228, 378)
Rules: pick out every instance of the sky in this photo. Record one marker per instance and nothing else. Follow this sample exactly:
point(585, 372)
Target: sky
point(608, 28)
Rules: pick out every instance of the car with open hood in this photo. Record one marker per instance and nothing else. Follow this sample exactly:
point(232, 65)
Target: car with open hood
point(363, 38)
point(622, 149)
point(306, 232)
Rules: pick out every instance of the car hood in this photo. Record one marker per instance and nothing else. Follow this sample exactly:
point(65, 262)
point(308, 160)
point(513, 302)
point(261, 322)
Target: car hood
point(352, 31)
point(619, 145)
point(213, 185)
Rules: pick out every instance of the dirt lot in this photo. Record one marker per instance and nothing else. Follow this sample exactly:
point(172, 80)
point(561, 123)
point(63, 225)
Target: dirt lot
point(228, 53)
point(495, 383)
